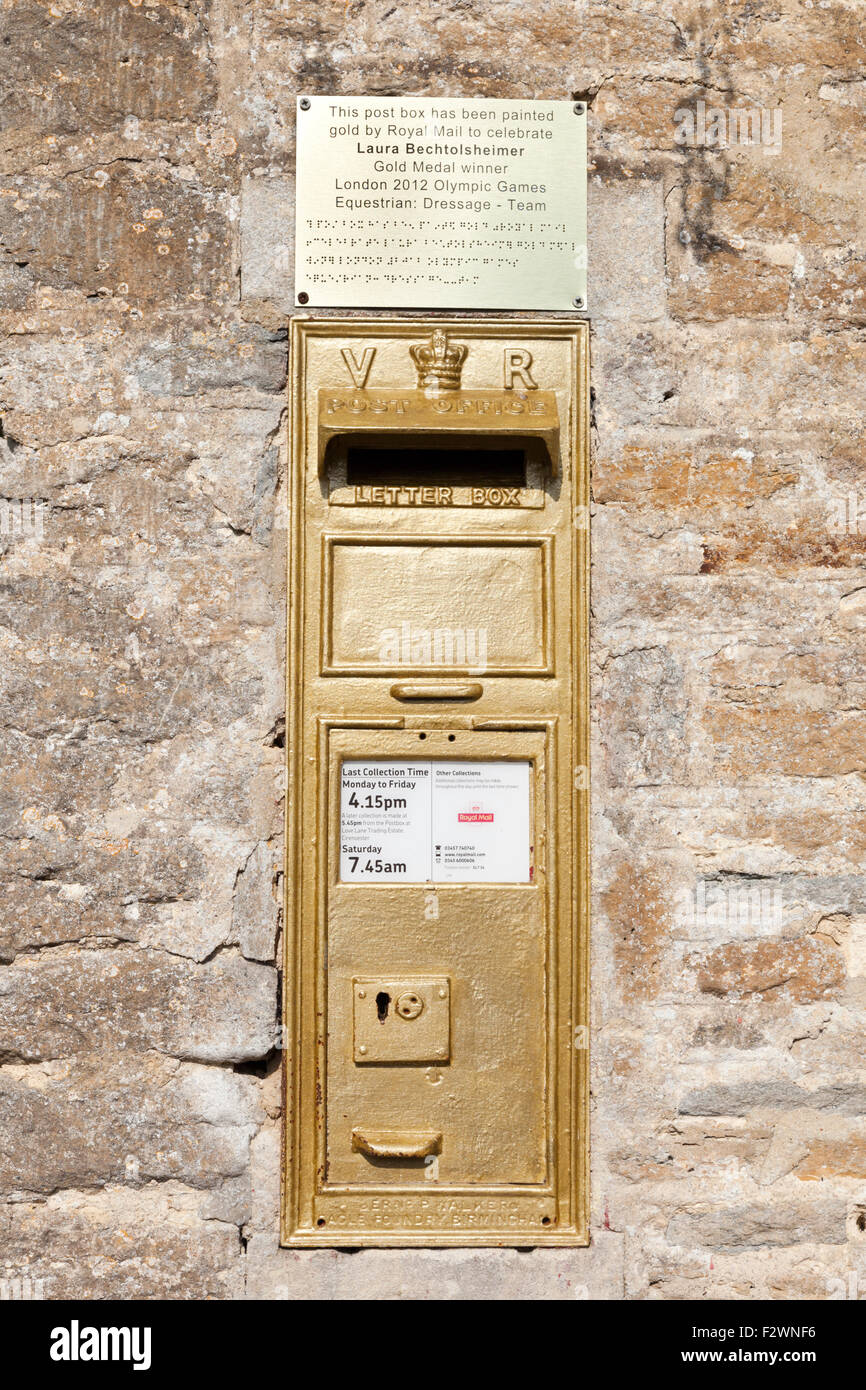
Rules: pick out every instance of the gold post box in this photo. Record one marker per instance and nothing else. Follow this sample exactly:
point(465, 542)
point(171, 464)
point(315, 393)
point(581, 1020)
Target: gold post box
point(437, 830)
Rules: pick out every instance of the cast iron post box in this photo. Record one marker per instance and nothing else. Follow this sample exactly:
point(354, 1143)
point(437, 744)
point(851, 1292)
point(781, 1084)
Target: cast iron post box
point(437, 859)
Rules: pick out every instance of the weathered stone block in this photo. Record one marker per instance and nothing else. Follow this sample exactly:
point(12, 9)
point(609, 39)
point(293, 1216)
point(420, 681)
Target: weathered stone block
point(214, 359)
point(846, 1098)
point(488, 1275)
point(802, 970)
point(830, 37)
point(97, 68)
point(118, 1244)
point(255, 913)
point(704, 477)
point(711, 279)
point(625, 227)
point(836, 290)
point(79, 1001)
point(751, 742)
point(121, 1119)
point(129, 231)
point(268, 242)
point(760, 1225)
point(750, 377)
point(763, 200)
point(638, 908)
point(642, 717)
point(63, 889)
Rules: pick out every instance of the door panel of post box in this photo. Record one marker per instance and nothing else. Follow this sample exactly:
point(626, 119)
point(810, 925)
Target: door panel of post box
point(436, 963)
point(483, 943)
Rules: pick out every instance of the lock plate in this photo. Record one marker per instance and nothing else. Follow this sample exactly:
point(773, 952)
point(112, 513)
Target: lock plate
point(402, 1020)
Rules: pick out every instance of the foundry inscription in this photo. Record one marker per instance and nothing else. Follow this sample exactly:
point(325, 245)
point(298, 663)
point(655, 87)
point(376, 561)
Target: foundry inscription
point(424, 202)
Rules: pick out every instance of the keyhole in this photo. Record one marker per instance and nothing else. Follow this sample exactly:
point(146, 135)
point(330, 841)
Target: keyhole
point(383, 1003)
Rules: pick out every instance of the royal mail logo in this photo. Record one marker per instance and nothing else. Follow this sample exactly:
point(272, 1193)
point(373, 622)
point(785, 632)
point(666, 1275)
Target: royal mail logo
point(475, 813)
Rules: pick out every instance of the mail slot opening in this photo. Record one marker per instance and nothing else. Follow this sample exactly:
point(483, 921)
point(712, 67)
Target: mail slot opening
point(431, 467)
point(493, 456)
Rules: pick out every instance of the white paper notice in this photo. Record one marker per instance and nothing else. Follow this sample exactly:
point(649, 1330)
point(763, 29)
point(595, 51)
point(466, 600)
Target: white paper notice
point(385, 821)
point(480, 822)
point(435, 822)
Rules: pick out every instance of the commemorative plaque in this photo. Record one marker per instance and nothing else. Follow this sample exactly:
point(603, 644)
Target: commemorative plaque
point(429, 202)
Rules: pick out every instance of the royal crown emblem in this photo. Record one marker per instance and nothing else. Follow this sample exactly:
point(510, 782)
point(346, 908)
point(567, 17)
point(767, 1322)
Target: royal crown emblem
point(439, 362)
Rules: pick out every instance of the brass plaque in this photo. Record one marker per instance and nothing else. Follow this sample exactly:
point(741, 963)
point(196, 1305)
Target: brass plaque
point(437, 202)
point(436, 953)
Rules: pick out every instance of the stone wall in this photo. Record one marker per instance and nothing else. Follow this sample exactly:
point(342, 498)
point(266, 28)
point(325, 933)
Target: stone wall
point(145, 283)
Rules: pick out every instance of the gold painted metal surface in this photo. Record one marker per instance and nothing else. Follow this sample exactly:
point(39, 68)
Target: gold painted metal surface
point(407, 1020)
point(436, 584)
point(425, 635)
point(414, 690)
point(356, 415)
point(391, 1143)
point(419, 202)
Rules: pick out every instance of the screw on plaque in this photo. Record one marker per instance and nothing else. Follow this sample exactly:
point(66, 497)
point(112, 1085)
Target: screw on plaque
point(579, 108)
point(304, 103)
point(578, 302)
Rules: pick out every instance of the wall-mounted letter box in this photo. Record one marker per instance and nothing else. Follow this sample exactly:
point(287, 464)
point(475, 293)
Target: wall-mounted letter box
point(437, 889)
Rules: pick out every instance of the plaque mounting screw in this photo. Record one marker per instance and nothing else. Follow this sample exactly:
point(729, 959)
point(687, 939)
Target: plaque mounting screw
point(578, 302)
point(304, 103)
point(303, 297)
point(579, 108)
